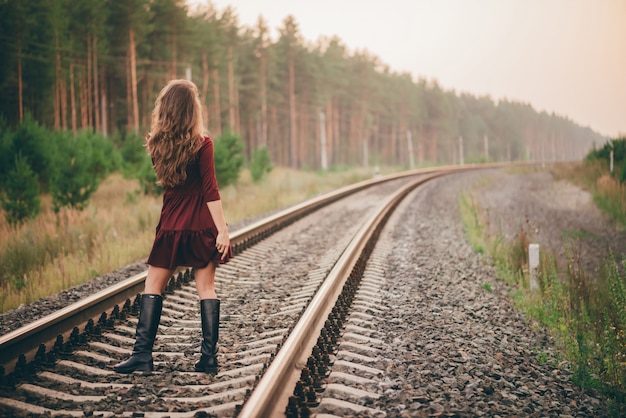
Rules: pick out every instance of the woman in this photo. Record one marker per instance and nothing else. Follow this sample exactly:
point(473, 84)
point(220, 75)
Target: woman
point(192, 230)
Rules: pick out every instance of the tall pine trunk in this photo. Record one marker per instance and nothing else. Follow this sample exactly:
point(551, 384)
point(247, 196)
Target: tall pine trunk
point(277, 149)
point(96, 89)
point(145, 98)
point(263, 137)
point(293, 128)
point(57, 84)
point(352, 151)
point(129, 95)
point(63, 89)
point(302, 134)
point(19, 80)
point(174, 57)
point(420, 145)
point(73, 99)
point(89, 83)
point(237, 114)
point(232, 93)
point(337, 131)
point(217, 110)
point(329, 131)
point(403, 150)
point(252, 138)
point(102, 93)
point(82, 86)
point(133, 78)
point(362, 140)
point(433, 147)
point(393, 142)
point(205, 86)
point(377, 142)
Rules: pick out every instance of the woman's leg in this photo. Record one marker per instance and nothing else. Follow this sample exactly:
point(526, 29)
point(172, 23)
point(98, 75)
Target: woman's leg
point(210, 316)
point(148, 322)
point(157, 279)
point(205, 281)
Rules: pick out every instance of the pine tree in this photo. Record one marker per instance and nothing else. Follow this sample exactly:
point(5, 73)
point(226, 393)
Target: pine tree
point(228, 157)
point(76, 178)
point(20, 199)
point(260, 164)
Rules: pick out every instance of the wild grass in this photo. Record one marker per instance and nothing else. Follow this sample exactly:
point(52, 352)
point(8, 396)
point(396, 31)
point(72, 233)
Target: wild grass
point(473, 226)
point(54, 252)
point(608, 193)
point(280, 188)
point(586, 315)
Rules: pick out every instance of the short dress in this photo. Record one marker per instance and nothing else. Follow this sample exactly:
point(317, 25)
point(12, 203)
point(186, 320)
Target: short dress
point(186, 233)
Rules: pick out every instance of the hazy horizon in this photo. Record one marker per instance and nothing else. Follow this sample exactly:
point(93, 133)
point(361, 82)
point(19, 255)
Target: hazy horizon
point(561, 56)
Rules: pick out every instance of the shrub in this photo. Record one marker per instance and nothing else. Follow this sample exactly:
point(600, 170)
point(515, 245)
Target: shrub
point(6, 156)
point(228, 158)
point(136, 164)
point(148, 179)
point(618, 146)
point(133, 154)
point(105, 158)
point(32, 141)
point(622, 177)
point(77, 175)
point(260, 164)
point(20, 199)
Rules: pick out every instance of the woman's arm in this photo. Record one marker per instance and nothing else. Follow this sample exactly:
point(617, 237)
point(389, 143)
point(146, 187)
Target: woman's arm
point(222, 242)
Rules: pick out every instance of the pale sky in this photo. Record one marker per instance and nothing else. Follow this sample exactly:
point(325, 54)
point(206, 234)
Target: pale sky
point(562, 56)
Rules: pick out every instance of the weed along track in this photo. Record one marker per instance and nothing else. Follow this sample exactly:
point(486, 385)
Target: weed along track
point(352, 307)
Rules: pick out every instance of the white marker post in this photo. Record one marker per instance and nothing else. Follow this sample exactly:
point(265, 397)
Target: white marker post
point(533, 266)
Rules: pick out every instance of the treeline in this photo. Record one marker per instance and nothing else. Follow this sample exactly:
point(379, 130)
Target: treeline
point(98, 65)
point(613, 152)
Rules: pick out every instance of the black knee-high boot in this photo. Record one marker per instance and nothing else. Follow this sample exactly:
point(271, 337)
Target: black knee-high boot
point(149, 318)
point(210, 314)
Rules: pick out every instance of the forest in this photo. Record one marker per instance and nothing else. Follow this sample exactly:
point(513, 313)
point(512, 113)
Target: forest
point(97, 65)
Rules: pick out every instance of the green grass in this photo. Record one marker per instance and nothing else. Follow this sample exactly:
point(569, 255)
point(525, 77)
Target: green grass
point(586, 315)
point(541, 356)
point(473, 227)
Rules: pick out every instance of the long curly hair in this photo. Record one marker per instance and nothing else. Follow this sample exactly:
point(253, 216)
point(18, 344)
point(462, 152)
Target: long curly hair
point(176, 132)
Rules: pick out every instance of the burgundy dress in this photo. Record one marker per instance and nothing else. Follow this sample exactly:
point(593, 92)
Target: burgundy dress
point(186, 233)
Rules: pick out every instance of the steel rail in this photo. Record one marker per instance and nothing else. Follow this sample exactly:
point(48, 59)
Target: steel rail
point(270, 397)
point(27, 340)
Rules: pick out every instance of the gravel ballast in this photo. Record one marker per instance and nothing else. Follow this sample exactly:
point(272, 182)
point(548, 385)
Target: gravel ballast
point(459, 349)
point(453, 347)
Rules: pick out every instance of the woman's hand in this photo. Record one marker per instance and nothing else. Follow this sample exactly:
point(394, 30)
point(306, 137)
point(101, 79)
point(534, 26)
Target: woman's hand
point(222, 243)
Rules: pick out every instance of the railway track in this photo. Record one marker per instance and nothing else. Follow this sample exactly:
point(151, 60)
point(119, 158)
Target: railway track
point(278, 338)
